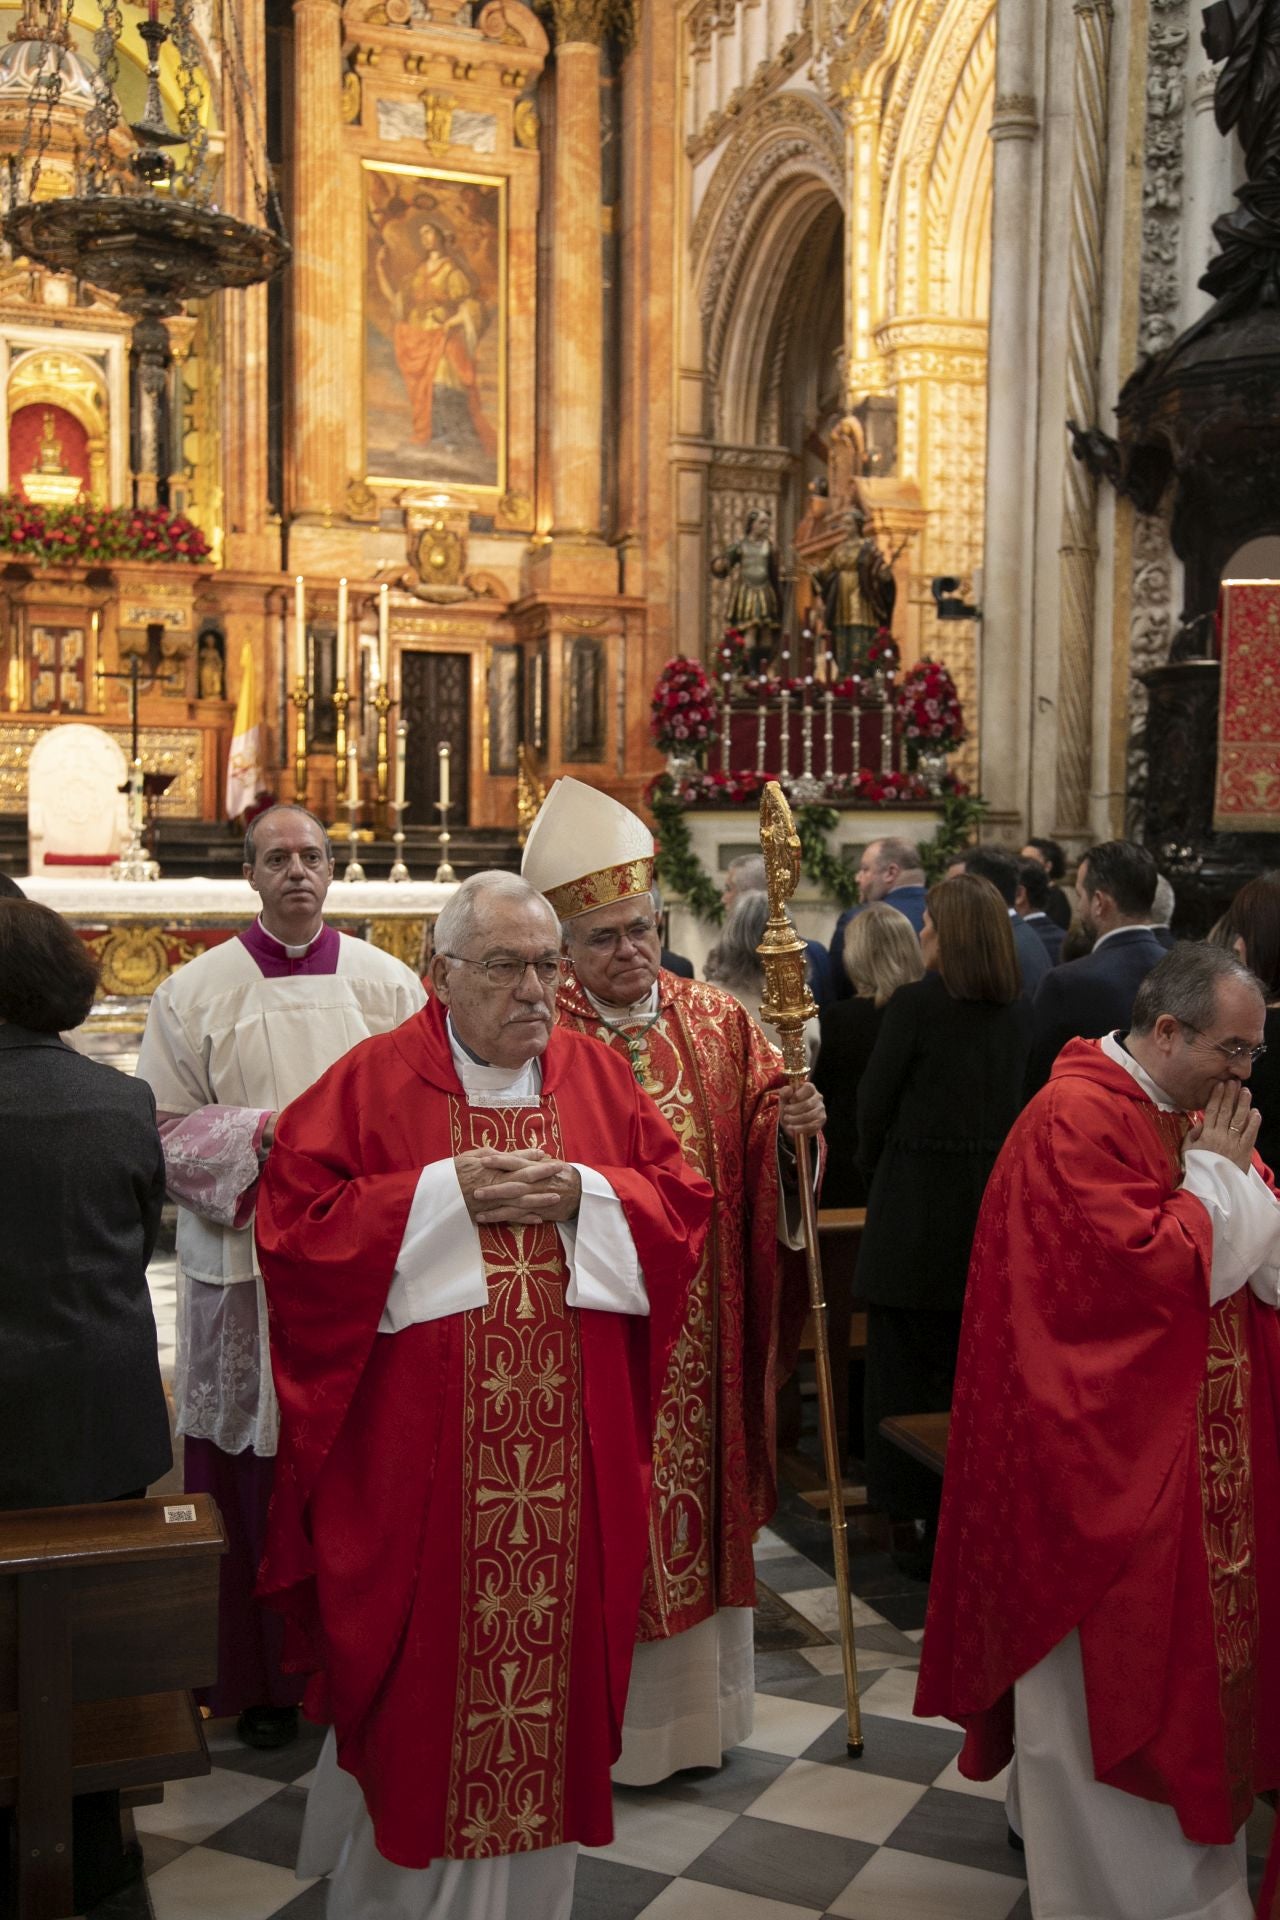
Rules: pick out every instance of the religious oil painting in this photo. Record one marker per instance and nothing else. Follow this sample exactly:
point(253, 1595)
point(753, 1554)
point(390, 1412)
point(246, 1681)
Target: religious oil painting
point(435, 353)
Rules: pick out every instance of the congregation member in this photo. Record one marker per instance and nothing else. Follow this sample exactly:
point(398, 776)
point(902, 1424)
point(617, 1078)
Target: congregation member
point(82, 1407)
point(1106, 1593)
point(1163, 907)
point(735, 962)
point(9, 889)
point(1030, 901)
point(1250, 929)
point(1049, 855)
point(477, 1236)
point(881, 954)
point(230, 1039)
point(711, 1071)
point(889, 870)
point(998, 865)
point(673, 962)
point(939, 1094)
point(1083, 999)
point(746, 875)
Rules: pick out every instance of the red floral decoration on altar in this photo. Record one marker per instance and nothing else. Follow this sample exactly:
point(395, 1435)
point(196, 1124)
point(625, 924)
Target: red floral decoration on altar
point(929, 710)
point(97, 535)
point(883, 652)
point(682, 713)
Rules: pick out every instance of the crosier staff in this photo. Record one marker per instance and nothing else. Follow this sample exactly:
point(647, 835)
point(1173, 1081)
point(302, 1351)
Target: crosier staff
point(787, 1006)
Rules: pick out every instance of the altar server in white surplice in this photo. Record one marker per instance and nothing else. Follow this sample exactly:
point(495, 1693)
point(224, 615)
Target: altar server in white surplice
point(231, 1038)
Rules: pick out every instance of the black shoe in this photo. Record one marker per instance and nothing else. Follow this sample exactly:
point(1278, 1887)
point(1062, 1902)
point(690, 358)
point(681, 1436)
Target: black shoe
point(267, 1727)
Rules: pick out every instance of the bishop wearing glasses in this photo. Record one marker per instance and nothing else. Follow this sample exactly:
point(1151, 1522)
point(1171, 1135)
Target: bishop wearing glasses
point(1105, 1601)
point(706, 1064)
point(477, 1236)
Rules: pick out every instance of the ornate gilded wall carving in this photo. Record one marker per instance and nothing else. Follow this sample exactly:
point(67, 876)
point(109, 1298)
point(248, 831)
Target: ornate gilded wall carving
point(174, 750)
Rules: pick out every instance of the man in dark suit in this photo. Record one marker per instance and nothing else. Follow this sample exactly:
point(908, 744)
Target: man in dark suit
point(1085, 999)
point(890, 871)
point(1033, 893)
point(999, 865)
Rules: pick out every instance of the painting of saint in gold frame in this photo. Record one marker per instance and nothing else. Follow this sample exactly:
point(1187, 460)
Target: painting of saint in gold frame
point(435, 334)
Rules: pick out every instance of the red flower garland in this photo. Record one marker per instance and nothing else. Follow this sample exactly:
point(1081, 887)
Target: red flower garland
point(97, 534)
point(928, 708)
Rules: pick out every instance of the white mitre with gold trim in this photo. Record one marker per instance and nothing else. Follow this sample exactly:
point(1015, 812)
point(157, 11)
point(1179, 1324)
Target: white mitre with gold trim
point(585, 850)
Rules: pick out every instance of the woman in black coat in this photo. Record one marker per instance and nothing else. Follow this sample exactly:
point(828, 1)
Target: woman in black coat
point(881, 953)
point(940, 1092)
point(1251, 929)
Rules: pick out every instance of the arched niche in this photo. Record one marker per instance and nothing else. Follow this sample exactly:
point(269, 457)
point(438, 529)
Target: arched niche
point(73, 383)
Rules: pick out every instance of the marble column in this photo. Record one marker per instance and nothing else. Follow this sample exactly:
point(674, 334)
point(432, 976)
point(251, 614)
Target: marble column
point(1078, 543)
point(1208, 190)
point(577, 307)
point(1005, 650)
point(320, 260)
point(251, 543)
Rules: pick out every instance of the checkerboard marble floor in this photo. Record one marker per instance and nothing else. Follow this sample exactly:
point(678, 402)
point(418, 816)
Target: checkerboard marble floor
point(789, 1828)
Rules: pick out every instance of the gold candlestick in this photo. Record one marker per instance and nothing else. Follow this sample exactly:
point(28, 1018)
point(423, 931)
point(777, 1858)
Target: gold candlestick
point(341, 701)
point(445, 875)
point(382, 707)
point(299, 698)
point(353, 871)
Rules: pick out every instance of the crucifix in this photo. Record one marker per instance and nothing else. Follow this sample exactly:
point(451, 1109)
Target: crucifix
point(144, 789)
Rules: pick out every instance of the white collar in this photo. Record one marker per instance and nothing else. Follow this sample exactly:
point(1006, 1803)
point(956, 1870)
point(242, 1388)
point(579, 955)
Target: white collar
point(290, 953)
point(646, 1009)
point(1127, 928)
point(1114, 1051)
point(494, 1086)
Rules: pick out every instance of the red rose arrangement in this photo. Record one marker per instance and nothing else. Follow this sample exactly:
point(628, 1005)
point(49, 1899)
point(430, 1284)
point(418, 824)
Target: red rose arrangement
point(97, 534)
point(929, 710)
point(682, 713)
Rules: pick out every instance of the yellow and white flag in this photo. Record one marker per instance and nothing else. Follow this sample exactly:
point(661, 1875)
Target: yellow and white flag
point(244, 762)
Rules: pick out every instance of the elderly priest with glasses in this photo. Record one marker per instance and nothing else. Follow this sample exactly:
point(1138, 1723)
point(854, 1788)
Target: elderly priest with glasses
point(477, 1236)
point(705, 1062)
point(1105, 1603)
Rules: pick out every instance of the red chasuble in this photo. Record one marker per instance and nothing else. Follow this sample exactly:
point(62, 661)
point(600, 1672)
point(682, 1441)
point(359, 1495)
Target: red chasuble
point(1112, 1439)
point(457, 1537)
point(715, 1078)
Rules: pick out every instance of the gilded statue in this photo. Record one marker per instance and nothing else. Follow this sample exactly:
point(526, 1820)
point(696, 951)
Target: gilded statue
point(858, 595)
point(211, 678)
point(754, 605)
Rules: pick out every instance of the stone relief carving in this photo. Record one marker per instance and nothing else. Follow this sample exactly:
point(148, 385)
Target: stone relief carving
point(801, 125)
point(1151, 612)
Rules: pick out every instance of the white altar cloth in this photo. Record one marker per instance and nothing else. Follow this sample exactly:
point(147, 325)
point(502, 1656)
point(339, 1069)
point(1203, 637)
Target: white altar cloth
point(90, 897)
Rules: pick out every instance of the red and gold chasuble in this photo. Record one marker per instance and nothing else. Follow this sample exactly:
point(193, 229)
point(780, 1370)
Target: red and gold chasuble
point(714, 1078)
point(1114, 1446)
point(457, 1538)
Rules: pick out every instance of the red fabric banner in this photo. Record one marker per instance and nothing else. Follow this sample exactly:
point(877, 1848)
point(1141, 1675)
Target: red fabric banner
point(1247, 796)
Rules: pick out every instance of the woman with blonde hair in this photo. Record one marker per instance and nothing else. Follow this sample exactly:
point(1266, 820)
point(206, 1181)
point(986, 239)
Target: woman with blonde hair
point(941, 1090)
point(881, 953)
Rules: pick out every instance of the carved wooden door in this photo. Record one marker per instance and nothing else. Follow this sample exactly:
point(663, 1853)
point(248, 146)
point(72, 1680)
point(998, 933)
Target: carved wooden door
point(435, 701)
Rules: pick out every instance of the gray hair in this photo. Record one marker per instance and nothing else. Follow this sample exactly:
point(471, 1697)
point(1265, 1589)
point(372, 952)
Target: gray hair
point(1185, 985)
point(735, 962)
point(456, 921)
point(746, 873)
point(281, 806)
point(894, 852)
point(1164, 903)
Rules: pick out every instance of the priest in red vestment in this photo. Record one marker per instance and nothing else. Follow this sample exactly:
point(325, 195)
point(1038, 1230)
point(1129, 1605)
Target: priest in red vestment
point(706, 1063)
point(476, 1237)
point(1105, 1604)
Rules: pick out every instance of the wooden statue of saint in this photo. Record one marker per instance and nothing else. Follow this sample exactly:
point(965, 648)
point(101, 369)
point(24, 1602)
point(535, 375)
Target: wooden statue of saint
point(755, 603)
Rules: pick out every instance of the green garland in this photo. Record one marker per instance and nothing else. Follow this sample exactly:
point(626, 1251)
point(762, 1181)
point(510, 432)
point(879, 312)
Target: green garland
point(680, 871)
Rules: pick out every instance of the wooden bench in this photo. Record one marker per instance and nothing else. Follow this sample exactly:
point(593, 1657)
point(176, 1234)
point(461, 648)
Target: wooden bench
point(108, 1615)
point(922, 1435)
point(839, 1231)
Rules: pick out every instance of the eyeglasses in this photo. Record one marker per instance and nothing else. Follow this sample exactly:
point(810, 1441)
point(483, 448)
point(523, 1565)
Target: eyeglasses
point(509, 973)
point(607, 939)
point(1229, 1051)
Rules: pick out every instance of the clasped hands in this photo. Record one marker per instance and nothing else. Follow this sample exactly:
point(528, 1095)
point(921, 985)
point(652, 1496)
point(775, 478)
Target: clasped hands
point(522, 1188)
point(1229, 1126)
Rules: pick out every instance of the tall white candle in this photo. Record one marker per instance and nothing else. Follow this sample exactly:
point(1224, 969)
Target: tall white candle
point(300, 626)
point(444, 774)
point(353, 778)
point(342, 649)
point(384, 630)
point(401, 736)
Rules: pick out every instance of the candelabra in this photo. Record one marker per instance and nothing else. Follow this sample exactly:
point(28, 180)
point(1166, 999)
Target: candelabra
point(762, 715)
point(886, 731)
point(353, 871)
point(399, 871)
point(807, 789)
point(299, 698)
point(382, 706)
point(341, 701)
point(829, 730)
point(784, 742)
point(135, 863)
point(445, 875)
point(726, 716)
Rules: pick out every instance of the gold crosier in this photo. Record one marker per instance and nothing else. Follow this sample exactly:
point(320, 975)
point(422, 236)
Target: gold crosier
point(787, 1006)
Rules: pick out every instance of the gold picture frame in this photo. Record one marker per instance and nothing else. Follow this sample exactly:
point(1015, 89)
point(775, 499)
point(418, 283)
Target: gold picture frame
point(435, 329)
